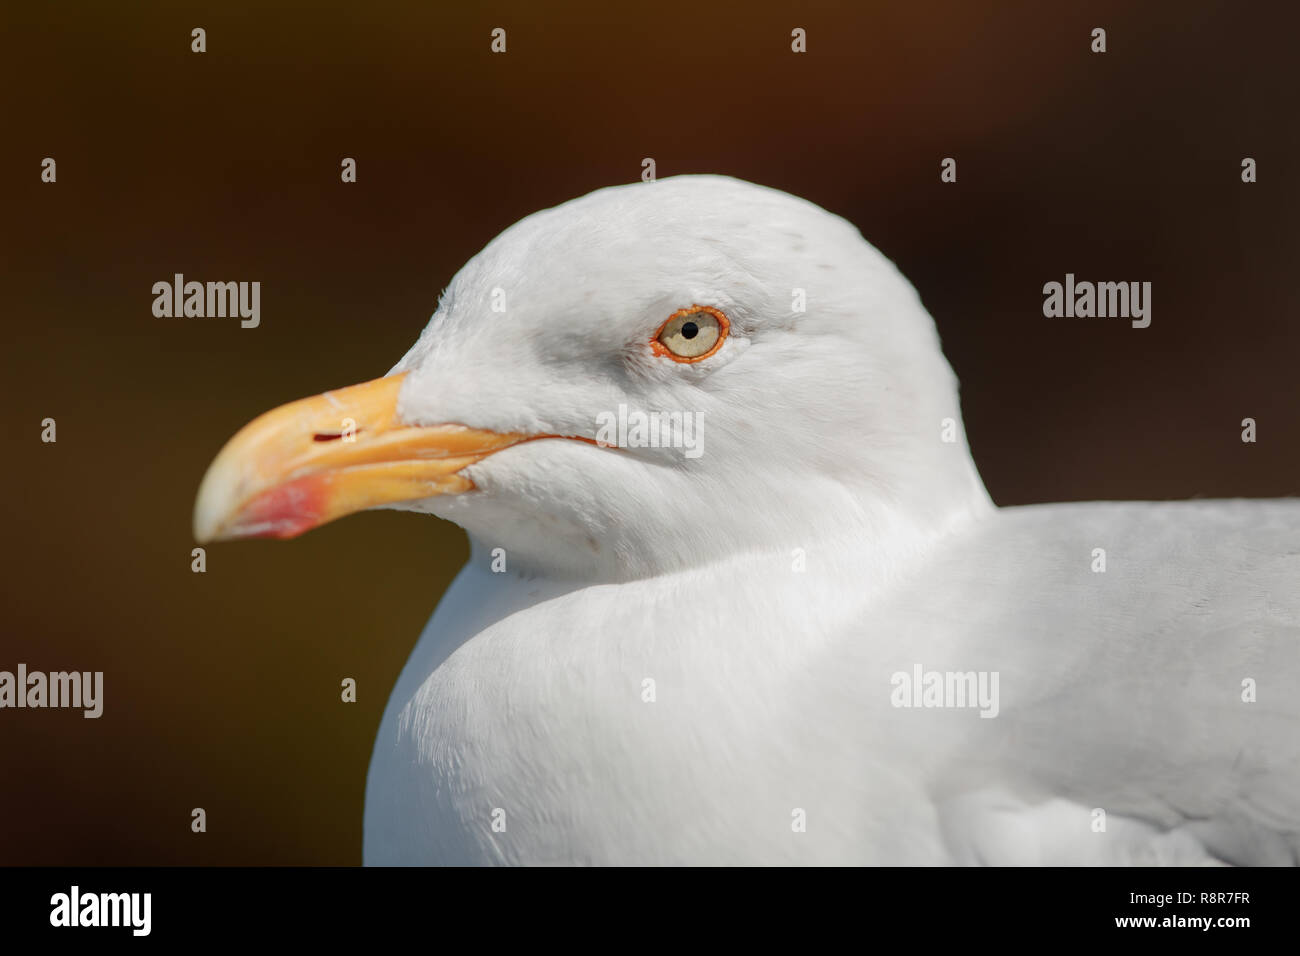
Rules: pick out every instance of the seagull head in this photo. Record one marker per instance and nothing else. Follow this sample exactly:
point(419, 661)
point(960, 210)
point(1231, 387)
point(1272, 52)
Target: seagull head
point(641, 380)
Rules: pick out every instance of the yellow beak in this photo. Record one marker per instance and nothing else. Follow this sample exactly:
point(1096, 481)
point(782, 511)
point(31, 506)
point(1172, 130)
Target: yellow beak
point(321, 458)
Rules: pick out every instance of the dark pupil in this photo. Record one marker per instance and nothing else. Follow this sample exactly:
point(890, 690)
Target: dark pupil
point(690, 330)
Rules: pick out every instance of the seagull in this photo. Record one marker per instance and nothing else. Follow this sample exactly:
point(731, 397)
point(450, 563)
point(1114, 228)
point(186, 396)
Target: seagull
point(737, 594)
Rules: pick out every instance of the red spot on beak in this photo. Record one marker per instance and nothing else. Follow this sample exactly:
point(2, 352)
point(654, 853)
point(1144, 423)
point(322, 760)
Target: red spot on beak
point(287, 510)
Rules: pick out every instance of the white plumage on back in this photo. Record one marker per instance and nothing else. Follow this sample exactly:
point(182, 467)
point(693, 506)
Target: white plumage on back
point(826, 540)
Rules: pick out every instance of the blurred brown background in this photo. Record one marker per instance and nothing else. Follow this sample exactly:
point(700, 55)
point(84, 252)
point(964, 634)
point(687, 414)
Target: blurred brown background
point(222, 689)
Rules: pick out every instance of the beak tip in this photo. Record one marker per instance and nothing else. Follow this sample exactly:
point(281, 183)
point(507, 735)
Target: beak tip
point(214, 503)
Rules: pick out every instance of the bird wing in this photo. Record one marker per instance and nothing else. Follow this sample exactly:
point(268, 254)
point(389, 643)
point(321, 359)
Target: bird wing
point(1149, 656)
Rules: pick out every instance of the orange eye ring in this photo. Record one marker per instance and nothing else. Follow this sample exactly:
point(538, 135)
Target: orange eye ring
point(724, 326)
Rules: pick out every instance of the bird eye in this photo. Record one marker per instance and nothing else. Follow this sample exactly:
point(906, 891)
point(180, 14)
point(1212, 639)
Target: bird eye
point(691, 334)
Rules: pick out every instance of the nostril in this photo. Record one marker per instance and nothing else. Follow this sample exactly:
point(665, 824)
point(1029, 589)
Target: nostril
point(331, 436)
